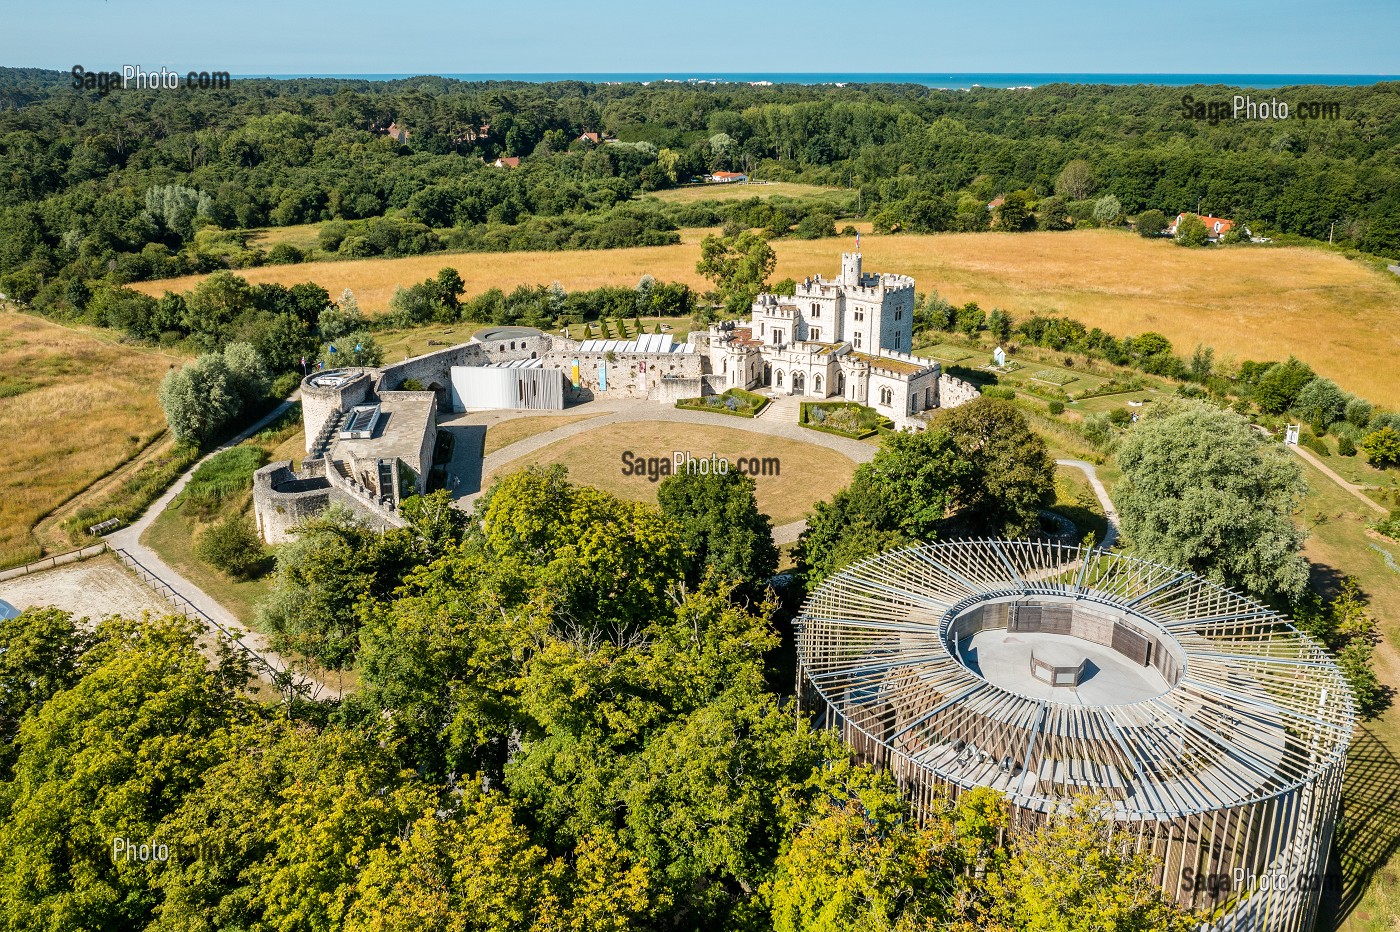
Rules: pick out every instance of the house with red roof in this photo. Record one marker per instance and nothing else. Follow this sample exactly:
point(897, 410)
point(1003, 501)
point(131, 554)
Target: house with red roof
point(1216, 227)
point(398, 133)
point(726, 177)
point(507, 161)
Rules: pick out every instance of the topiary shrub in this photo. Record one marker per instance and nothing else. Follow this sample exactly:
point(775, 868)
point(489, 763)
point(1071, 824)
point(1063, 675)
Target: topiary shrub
point(1346, 446)
point(1057, 407)
point(232, 546)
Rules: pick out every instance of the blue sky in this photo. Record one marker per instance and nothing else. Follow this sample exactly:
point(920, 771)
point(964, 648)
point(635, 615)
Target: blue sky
point(602, 36)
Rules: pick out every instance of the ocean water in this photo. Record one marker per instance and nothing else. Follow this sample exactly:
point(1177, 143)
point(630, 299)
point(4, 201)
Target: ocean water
point(951, 80)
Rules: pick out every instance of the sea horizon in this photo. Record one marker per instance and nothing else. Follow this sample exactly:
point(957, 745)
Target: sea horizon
point(940, 80)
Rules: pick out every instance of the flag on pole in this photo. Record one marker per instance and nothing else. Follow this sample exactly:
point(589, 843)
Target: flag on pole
point(857, 239)
point(332, 348)
point(357, 346)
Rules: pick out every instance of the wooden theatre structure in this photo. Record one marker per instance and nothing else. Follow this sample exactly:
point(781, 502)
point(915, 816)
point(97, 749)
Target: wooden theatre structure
point(1213, 731)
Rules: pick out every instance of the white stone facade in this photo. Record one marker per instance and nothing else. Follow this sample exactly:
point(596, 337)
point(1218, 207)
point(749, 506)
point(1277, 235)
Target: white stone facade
point(847, 337)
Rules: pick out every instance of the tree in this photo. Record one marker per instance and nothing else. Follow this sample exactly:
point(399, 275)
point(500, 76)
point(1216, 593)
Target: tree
point(1151, 223)
point(110, 757)
point(353, 349)
point(1190, 231)
point(248, 374)
point(1320, 403)
point(1079, 872)
point(42, 653)
point(231, 545)
point(971, 319)
point(1052, 213)
point(199, 399)
point(213, 306)
point(176, 208)
point(1076, 180)
point(1107, 210)
point(1348, 630)
point(1279, 387)
point(1382, 447)
point(739, 266)
point(861, 862)
point(1014, 214)
point(1201, 492)
point(326, 577)
point(722, 528)
point(1007, 475)
point(999, 325)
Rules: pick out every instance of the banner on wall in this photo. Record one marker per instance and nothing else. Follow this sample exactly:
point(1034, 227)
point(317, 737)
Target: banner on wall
point(574, 374)
point(602, 376)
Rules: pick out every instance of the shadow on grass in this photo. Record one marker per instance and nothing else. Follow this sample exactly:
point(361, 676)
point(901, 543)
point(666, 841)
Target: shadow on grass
point(1369, 833)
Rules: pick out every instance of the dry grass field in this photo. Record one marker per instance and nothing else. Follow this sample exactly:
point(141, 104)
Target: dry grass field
point(501, 434)
point(74, 405)
point(809, 473)
point(737, 192)
point(1248, 303)
point(374, 280)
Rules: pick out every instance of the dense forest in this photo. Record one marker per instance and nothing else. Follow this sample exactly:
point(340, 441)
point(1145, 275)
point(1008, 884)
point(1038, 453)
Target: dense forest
point(111, 188)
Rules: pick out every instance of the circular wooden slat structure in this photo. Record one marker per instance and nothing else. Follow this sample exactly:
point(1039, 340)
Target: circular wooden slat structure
point(1214, 731)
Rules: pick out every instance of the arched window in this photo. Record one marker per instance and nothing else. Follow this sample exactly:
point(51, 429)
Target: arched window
point(799, 381)
point(778, 378)
point(886, 396)
point(817, 384)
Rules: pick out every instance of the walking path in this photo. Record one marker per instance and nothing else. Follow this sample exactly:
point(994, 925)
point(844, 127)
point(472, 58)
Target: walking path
point(778, 419)
point(1109, 512)
point(1327, 471)
point(220, 621)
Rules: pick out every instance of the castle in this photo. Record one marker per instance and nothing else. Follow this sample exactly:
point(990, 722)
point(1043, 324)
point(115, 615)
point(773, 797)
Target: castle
point(371, 434)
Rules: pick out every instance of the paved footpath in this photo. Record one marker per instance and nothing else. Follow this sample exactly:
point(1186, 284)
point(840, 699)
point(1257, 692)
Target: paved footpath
point(129, 539)
point(1110, 513)
point(1329, 473)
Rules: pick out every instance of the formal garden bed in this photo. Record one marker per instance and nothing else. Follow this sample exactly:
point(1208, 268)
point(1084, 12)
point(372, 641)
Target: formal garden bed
point(843, 418)
point(733, 401)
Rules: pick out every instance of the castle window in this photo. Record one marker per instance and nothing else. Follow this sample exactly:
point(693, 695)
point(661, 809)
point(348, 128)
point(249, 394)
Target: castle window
point(899, 313)
point(857, 339)
point(860, 314)
point(817, 383)
point(816, 333)
point(886, 396)
point(778, 378)
point(896, 341)
point(816, 310)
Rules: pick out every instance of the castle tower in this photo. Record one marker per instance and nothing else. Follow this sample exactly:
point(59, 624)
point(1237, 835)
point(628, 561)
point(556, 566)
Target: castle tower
point(850, 269)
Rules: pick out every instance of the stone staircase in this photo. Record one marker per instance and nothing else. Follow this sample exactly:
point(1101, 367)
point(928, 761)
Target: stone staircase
point(327, 434)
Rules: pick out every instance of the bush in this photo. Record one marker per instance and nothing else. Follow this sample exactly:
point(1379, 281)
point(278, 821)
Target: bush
point(284, 254)
point(232, 546)
point(1057, 407)
point(1346, 446)
point(999, 391)
point(283, 386)
point(223, 476)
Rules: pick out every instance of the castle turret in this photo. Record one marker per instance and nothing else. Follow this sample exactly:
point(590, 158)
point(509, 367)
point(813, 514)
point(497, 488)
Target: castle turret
point(850, 269)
